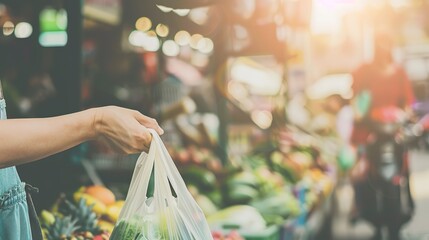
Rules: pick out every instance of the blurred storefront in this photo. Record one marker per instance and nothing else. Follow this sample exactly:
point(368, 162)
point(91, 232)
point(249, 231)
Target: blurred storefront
point(219, 76)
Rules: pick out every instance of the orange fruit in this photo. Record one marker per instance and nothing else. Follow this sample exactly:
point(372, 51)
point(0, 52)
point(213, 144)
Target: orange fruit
point(101, 193)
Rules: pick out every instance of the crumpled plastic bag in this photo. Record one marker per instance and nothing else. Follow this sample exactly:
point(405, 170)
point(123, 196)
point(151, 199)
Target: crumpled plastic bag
point(171, 213)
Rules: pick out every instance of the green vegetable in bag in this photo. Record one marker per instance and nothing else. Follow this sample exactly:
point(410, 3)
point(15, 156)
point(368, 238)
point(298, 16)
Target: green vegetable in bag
point(126, 231)
point(134, 230)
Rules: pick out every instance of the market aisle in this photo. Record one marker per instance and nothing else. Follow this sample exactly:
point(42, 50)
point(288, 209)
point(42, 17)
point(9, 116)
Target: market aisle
point(417, 229)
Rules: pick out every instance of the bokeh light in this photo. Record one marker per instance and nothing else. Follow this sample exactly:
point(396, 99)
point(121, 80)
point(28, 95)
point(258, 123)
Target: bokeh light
point(147, 40)
point(182, 12)
point(151, 42)
point(182, 38)
point(162, 30)
point(23, 30)
point(8, 28)
point(164, 8)
point(195, 39)
point(170, 48)
point(199, 15)
point(143, 24)
point(53, 39)
point(62, 19)
point(135, 38)
point(205, 45)
point(262, 119)
point(238, 90)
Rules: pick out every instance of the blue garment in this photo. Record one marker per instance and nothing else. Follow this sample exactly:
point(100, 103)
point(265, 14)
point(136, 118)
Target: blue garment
point(14, 217)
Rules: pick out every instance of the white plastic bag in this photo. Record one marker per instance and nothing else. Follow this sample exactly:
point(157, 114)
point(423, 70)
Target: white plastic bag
point(163, 216)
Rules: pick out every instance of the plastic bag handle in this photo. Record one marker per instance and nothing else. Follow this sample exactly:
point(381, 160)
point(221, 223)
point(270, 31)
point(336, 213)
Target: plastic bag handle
point(138, 189)
point(169, 172)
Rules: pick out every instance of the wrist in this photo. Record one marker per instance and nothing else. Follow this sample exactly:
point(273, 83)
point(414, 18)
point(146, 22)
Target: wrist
point(95, 122)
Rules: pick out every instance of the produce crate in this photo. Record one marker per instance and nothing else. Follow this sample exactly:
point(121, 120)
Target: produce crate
point(270, 233)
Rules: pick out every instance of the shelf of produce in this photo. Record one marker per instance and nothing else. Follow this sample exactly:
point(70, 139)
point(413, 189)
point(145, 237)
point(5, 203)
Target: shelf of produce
point(315, 226)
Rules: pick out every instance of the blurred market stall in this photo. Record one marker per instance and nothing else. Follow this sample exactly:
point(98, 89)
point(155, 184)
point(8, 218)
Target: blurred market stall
point(233, 82)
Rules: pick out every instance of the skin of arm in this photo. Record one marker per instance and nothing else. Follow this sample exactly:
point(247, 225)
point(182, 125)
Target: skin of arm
point(27, 140)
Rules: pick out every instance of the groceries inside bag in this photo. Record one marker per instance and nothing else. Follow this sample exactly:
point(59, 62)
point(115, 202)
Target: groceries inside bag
point(171, 213)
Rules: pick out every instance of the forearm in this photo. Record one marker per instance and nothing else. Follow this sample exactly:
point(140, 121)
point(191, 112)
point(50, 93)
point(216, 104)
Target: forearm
point(27, 140)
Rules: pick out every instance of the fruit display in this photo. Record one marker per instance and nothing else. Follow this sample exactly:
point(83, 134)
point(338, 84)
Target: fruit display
point(89, 213)
point(192, 156)
point(272, 185)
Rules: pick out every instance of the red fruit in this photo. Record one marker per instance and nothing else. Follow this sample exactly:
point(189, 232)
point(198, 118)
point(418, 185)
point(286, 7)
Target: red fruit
point(183, 156)
point(214, 165)
point(216, 234)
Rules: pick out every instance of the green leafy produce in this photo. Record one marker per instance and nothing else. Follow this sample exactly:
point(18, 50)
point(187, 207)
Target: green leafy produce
point(283, 204)
point(135, 229)
point(283, 167)
point(241, 194)
point(203, 179)
point(270, 182)
point(126, 231)
point(157, 227)
point(244, 178)
point(242, 188)
point(215, 197)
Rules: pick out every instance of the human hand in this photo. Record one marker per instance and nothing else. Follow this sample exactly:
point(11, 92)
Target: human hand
point(125, 130)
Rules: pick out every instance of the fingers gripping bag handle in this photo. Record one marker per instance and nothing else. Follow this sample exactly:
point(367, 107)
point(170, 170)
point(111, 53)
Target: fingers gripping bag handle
point(171, 213)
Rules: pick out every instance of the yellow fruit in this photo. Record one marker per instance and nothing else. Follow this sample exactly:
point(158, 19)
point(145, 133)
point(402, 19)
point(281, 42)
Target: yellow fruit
point(106, 226)
point(47, 217)
point(44, 233)
point(99, 207)
point(113, 212)
point(101, 193)
point(119, 203)
point(81, 189)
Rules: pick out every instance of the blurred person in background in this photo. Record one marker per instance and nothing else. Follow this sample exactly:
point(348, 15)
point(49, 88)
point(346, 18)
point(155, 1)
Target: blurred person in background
point(333, 93)
point(325, 108)
point(27, 140)
point(380, 84)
